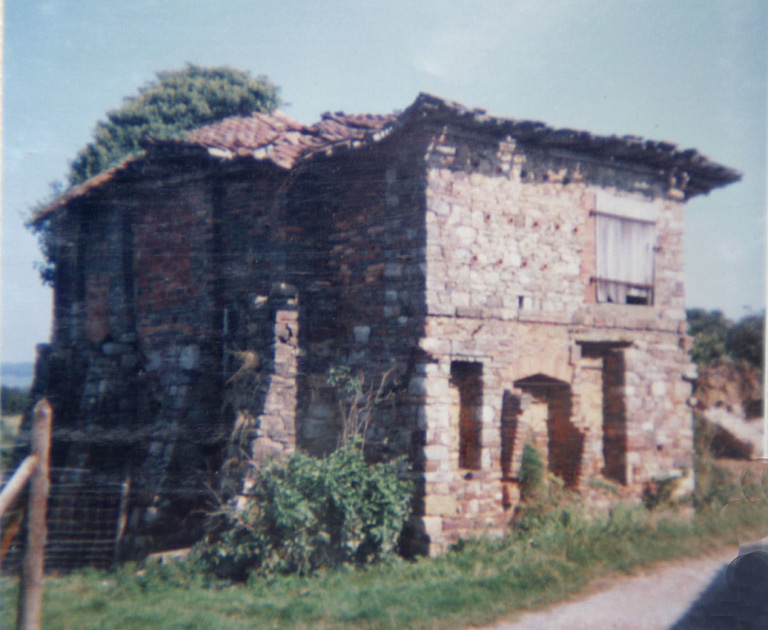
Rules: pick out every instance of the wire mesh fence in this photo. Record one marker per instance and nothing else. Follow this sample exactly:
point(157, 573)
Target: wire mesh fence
point(84, 521)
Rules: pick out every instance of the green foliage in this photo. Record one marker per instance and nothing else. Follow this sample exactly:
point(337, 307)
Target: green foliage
point(710, 333)
point(746, 340)
point(718, 339)
point(475, 585)
point(357, 400)
point(177, 101)
point(550, 509)
point(714, 485)
point(546, 508)
point(304, 514)
point(14, 400)
point(659, 494)
point(532, 472)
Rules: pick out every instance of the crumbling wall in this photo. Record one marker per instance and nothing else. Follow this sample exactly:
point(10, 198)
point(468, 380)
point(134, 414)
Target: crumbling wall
point(152, 272)
point(510, 287)
point(364, 309)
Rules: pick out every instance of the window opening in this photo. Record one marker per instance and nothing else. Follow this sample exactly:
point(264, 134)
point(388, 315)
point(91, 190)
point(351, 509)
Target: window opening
point(625, 240)
point(467, 378)
point(614, 408)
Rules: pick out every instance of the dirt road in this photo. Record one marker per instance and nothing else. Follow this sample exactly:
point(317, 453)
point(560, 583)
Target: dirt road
point(699, 594)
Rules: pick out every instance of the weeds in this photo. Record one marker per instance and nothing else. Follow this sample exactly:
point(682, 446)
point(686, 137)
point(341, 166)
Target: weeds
point(475, 583)
point(554, 549)
point(304, 514)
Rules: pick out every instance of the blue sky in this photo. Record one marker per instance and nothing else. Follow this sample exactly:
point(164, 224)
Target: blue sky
point(689, 71)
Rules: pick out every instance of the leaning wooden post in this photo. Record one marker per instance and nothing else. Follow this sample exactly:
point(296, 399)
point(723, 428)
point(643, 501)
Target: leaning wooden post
point(16, 483)
point(31, 585)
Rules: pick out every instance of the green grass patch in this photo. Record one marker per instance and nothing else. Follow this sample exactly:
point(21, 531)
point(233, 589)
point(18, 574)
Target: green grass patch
point(475, 584)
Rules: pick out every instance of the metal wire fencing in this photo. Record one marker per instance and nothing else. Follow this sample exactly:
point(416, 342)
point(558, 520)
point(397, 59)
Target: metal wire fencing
point(85, 519)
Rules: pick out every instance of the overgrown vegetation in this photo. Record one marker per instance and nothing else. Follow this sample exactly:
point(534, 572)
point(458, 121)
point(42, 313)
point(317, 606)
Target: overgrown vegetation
point(357, 400)
point(555, 549)
point(714, 484)
point(475, 584)
point(176, 101)
point(718, 339)
point(305, 514)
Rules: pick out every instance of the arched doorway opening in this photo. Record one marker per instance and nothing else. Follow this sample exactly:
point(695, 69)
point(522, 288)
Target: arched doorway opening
point(549, 420)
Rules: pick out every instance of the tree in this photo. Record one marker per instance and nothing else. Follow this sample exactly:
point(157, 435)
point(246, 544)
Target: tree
point(746, 340)
point(709, 330)
point(177, 101)
point(718, 339)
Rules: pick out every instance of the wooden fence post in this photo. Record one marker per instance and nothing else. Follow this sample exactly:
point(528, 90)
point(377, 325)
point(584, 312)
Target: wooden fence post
point(30, 606)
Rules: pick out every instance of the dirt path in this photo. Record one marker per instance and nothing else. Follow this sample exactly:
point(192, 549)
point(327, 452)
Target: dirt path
point(686, 595)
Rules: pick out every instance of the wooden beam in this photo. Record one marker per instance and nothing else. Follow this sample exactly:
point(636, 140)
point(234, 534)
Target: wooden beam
point(16, 483)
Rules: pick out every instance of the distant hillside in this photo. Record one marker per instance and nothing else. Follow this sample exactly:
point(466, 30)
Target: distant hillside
point(17, 374)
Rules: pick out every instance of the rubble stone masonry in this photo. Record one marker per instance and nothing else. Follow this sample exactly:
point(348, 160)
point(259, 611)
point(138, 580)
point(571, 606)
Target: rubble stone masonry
point(509, 287)
point(203, 292)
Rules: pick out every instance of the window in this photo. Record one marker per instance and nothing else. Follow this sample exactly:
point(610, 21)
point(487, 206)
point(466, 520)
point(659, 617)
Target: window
point(626, 241)
point(467, 378)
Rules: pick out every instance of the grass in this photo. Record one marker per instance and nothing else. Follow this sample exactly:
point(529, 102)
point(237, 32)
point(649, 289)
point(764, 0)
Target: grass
point(475, 584)
point(554, 551)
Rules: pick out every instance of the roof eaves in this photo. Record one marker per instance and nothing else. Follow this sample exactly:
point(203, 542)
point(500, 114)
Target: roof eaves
point(81, 190)
point(703, 174)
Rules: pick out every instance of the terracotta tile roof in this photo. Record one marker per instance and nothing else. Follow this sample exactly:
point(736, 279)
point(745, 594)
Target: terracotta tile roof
point(279, 138)
point(80, 190)
point(284, 141)
point(275, 137)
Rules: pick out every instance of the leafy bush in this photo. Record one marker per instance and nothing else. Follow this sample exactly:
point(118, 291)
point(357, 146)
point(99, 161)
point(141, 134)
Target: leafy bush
point(547, 508)
point(660, 494)
point(304, 513)
point(717, 339)
point(710, 335)
point(532, 472)
point(746, 340)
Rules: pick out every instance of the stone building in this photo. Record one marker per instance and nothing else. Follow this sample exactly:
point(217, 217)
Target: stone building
point(517, 282)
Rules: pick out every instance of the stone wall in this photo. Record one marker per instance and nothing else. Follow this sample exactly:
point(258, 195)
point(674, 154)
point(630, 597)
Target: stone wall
point(600, 388)
point(200, 304)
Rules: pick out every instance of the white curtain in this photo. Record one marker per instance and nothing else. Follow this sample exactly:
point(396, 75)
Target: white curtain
point(624, 258)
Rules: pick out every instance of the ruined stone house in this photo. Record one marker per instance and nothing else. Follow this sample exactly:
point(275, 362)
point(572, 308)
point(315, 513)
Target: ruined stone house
point(524, 282)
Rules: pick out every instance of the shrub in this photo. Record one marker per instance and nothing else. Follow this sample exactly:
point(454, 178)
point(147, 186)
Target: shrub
point(304, 514)
point(660, 493)
point(547, 508)
point(532, 472)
